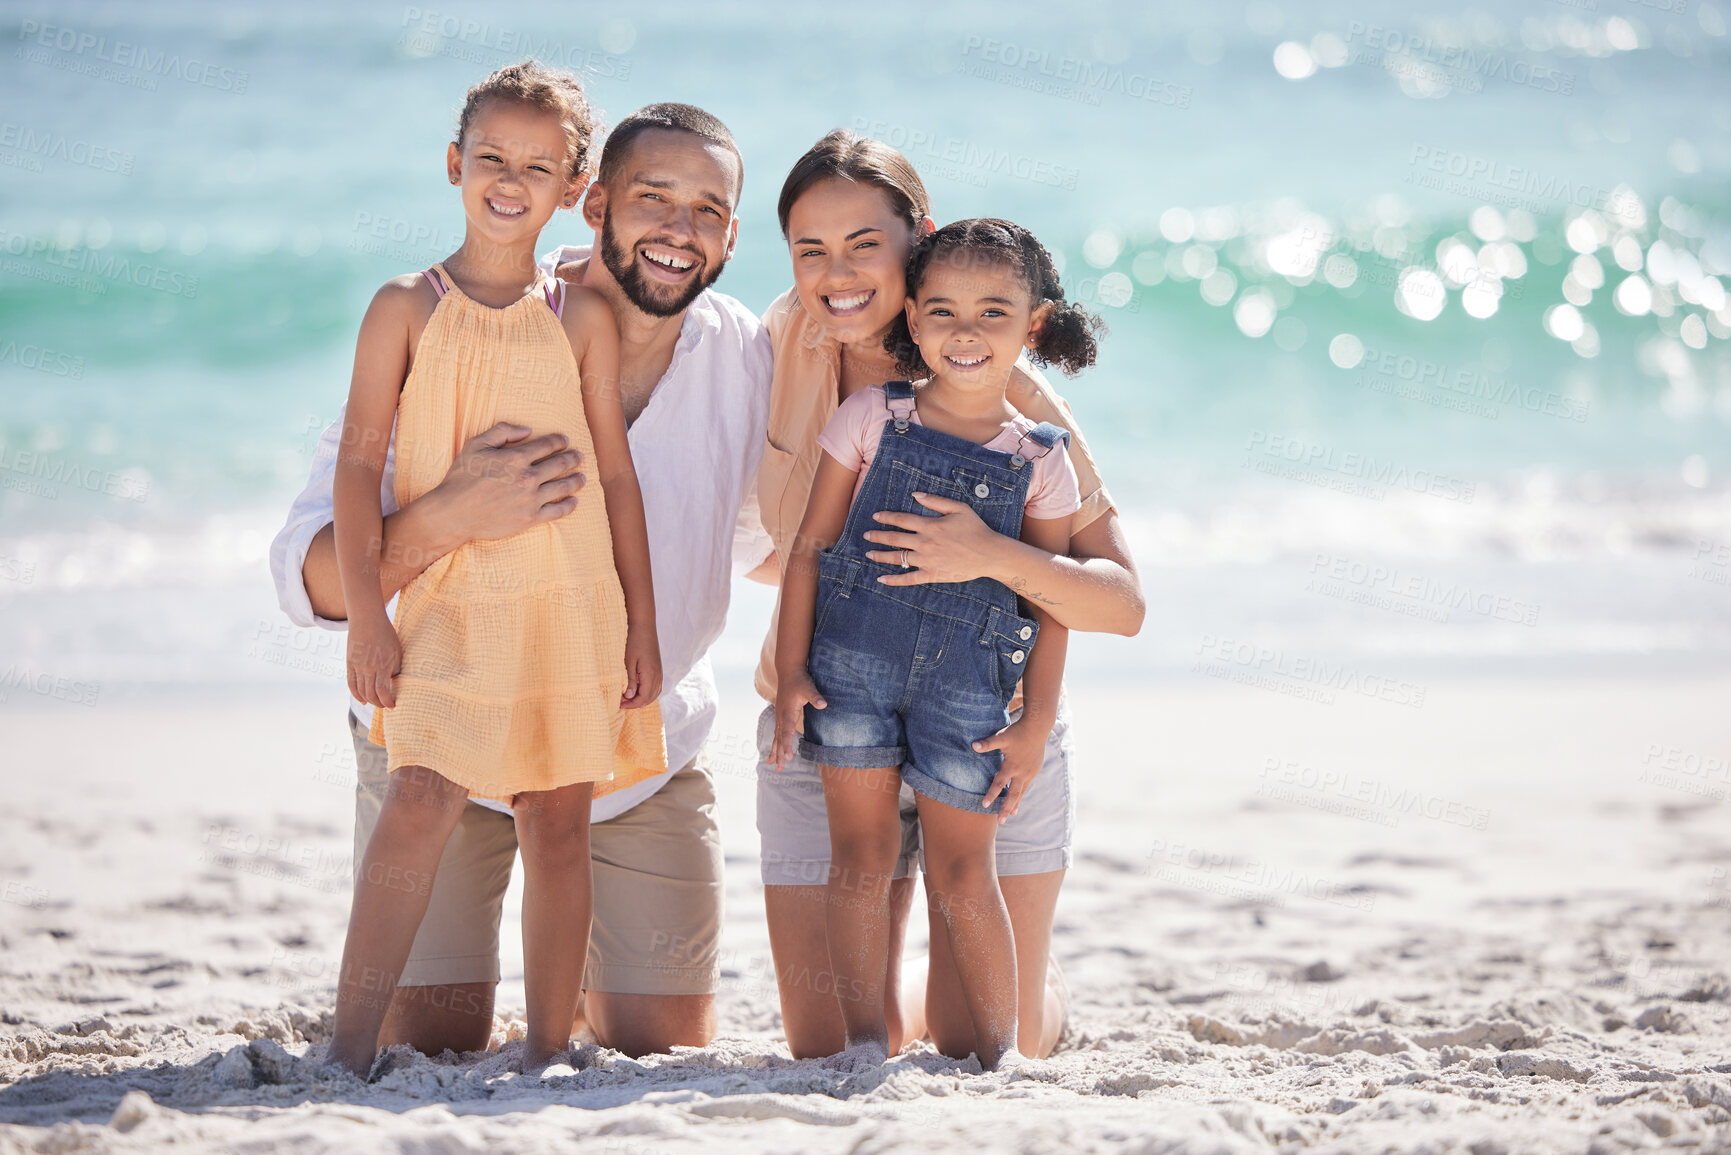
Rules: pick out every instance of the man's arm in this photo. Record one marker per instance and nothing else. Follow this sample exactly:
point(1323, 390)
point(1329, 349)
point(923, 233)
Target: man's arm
point(415, 537)
point(310, 513)
point(753, 551)
point(501, 483)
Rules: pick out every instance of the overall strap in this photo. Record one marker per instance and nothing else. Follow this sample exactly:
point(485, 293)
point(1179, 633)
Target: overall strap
point(436, 278)
point(899, 395)
point(1045, 436)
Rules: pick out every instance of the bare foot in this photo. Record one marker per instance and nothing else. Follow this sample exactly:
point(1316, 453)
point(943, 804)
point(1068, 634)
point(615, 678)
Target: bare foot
point(354, 1062)
point(397, 1058)
point(861, 1056)
point(535, 1063)
point(1057, 1006)
point(1013, 1062)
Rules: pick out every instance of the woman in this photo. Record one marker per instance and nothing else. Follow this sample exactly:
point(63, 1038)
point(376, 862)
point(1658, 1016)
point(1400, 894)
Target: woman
point(850, 210)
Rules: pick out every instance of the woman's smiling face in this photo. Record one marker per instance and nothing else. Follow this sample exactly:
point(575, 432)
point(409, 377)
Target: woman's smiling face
point(849, 248)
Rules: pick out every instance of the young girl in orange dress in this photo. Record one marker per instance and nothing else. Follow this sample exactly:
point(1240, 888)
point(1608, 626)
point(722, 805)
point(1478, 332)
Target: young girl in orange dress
point(522, 670)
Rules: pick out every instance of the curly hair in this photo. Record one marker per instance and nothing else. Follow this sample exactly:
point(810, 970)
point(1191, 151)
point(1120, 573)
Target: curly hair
point(1066, 339)
point(531, 83)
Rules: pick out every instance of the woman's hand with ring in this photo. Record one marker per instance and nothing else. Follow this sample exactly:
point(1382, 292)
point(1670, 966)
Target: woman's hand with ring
point(953, 546)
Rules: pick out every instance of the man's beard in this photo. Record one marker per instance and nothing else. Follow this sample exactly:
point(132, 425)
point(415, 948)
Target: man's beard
point(655, 299)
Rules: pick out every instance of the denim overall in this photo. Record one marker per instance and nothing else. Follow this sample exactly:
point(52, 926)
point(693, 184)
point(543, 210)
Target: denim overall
point(914, 675)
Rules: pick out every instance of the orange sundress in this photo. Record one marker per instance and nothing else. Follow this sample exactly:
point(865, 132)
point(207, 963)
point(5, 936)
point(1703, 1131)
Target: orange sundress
point(513, 650)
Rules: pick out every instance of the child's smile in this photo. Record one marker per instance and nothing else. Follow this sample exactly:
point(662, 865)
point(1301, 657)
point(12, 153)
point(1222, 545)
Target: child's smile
point(512, 168)
point(971, 320)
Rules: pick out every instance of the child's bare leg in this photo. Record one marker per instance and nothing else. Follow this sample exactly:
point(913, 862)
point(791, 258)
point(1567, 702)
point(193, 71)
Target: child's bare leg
point(420, 810)
point(558, 903)
point(962, 881)
point(865, 837)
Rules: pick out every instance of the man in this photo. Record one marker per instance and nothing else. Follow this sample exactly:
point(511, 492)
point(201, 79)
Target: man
point(694, 378)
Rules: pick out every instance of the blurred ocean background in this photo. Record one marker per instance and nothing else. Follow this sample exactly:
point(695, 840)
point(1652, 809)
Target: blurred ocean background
point(1418, 354)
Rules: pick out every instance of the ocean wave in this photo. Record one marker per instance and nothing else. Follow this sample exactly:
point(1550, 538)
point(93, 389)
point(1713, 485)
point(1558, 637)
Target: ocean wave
point(1540, 519)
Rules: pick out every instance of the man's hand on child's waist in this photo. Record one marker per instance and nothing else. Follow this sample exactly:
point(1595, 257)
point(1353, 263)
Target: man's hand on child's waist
point(504, 481)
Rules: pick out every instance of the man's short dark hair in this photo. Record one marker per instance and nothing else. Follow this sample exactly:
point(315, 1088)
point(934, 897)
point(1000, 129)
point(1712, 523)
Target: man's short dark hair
point(679, 118)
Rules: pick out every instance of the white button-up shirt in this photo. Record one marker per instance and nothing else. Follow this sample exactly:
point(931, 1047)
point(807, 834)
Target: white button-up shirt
point(696, 448)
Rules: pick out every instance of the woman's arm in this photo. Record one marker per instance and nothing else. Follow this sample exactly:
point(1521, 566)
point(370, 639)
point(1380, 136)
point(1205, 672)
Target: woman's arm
point(1023, 741)
point(825, 517)
point(768, 571)
point(381, 364)
point(1045, 666)
point(1094, 588)
point(594, 335)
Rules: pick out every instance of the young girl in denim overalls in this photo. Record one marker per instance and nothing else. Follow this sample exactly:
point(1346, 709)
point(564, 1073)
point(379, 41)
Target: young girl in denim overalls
point(912, 683)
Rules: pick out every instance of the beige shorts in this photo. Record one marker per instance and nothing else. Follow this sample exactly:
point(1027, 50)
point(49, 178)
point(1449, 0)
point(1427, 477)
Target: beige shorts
point(657, 925)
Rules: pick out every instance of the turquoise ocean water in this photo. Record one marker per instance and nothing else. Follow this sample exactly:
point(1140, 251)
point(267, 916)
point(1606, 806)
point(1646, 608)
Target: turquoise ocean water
point(1418, 316)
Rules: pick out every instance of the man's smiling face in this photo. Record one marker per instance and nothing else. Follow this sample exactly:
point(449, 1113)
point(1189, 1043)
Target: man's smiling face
point(666, 219)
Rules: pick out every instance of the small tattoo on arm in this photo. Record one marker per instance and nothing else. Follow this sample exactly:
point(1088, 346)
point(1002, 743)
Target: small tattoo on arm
point(1020, 585)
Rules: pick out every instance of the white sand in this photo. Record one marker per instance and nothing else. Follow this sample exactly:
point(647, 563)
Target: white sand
point(1252, 971)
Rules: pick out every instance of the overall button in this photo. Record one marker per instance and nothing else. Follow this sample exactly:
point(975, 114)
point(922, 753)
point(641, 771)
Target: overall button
point(1017, 657)
point(1025, 632)
point(982, 489)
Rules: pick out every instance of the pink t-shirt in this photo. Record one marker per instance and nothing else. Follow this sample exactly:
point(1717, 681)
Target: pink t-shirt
point(852, 436)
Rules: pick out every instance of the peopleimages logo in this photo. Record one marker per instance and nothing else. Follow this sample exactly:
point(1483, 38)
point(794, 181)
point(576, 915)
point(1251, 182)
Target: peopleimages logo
point(40, 146)
point(1240, 877)
point(91, 50)
point(1371, 44)
point(17, 679)
point(1388, 587)
point(41, 359)
point(969, 157)
point(1364, 798)
point(1041, 70)
point(1269, 668)
point(1451, 170)
point(78, 262)
point(1707, 775)
point(1466, 383)
point(431, 32)
point(39, 469)
point(1347, 471)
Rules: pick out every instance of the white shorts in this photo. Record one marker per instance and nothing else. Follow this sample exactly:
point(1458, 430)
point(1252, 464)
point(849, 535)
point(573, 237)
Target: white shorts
point(794, 828)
